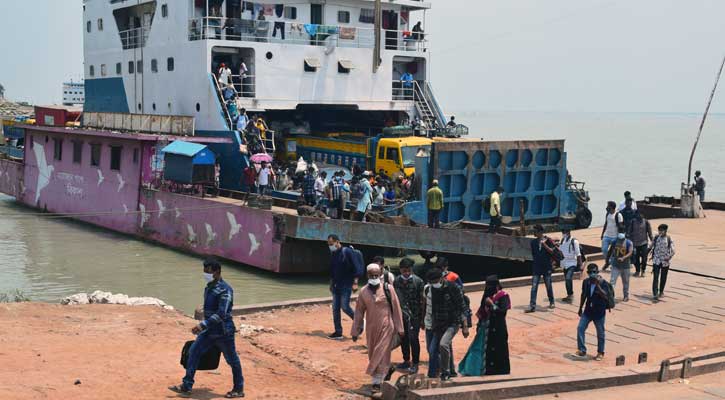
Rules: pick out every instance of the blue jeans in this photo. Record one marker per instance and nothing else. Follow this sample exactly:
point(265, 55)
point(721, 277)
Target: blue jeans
point(440, 351)
point(569, 280)
point(535, 287)
point(701, 193)
point(201, 345)
point(581, 332)
point(341, 300)
point(606, 242)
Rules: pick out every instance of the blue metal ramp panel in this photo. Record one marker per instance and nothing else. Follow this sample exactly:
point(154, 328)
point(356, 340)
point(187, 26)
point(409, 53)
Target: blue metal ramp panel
point(457, 241)
point(530, 171)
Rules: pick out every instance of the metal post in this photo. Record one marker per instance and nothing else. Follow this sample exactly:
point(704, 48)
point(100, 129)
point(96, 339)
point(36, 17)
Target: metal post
point(522, 218)
point(378, 25)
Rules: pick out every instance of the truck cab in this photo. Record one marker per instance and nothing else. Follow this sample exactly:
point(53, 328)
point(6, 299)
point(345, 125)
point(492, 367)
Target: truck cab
point(394, 155)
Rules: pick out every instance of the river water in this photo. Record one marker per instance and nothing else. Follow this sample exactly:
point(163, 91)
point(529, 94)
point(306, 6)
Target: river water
point(646, 153)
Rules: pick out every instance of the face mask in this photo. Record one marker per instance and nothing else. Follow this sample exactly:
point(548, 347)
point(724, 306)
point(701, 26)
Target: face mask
point(407, 277)
point(593, 274)
point(374, 282)
point(332, 248)
point(437, 285)
point(208, 277)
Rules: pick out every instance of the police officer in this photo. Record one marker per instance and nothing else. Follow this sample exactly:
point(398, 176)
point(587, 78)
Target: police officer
point(216, 330)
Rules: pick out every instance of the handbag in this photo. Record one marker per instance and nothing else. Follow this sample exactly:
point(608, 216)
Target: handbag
point(396, 341)
point(209, 361)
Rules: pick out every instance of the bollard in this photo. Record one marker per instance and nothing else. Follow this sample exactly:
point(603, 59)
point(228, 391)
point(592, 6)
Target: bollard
point(664, 371)
point(620, 361)
point(642, 358)
point(686, 365)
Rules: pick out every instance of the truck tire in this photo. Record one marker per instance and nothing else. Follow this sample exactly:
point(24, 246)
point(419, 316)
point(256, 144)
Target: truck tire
point(583, 218)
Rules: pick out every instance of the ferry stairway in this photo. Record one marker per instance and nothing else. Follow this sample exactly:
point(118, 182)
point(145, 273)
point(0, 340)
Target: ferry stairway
point(427, 107)
point(220, 97)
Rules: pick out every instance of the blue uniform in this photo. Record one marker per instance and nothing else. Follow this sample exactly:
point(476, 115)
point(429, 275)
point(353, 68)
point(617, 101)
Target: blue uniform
point(218, 332)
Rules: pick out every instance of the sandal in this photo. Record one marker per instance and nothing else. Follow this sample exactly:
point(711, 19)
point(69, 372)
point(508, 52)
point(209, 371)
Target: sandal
point(599, 357)
point(234, 394)
point(580, 354)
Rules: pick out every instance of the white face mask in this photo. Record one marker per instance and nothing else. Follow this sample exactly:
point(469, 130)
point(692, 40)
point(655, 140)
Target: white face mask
point(332, 248)
point(208, 277)
point(406, 277)
point(374, 281)
point(437, 285)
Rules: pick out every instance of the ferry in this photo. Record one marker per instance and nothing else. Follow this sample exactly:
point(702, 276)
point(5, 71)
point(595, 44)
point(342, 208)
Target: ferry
point(159, 155)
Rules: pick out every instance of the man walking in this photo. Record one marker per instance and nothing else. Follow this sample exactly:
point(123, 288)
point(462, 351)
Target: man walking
point(595, 296)
point(409, 288)
point(495, 210)
point(379, 308)
point(444, 315)
point(640, 233)
point(627, 196)
point(571, 262)
point(345, 271)
point(663, 249)
point(434, 201)
point(308, 187)
point(627, 214)
point(264, 178)
point(336, 193)
point(700, 185)
point(620, 258)
point(216, 330)
point(612, 222)
point(542, 251)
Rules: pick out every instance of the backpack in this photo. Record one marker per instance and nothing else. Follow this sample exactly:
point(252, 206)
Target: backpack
point(581, 250)
point(357, 261)
point(610, 295)
point(487, 204)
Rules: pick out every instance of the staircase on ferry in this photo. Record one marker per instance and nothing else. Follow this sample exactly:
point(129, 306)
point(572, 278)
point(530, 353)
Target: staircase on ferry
point(427, 107)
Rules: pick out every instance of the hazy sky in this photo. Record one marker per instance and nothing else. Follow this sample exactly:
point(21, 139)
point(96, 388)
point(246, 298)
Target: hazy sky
point(552, 55)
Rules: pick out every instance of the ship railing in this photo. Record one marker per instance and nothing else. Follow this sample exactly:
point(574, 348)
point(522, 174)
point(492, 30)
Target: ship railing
point(245, 86)
point(404, 90)
point(235, 29)
point(134, 38)
point(405, 40)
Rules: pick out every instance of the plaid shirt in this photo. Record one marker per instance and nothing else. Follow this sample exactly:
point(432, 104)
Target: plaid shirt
point(336, 185)
point(410, 294)
point(308, 186)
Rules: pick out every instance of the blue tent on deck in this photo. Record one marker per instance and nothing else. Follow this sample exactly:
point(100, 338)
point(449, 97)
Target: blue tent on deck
point(186, 162)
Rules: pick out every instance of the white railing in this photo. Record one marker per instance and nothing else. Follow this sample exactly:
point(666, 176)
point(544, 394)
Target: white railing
point(404, 90)
point(404, 40)
point(134, 38)
point(280, 32)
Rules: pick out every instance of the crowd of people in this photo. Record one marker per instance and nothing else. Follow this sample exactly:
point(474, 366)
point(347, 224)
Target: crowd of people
point(393, 310)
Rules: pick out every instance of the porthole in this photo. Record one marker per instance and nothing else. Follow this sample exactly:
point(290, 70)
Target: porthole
point(153, 106)
point(198, 107)
point(269, 55)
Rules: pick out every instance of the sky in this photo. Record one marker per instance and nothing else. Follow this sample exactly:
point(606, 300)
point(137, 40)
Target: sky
point(487, 55)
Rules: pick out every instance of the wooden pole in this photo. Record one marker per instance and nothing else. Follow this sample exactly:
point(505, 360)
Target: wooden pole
point(702, 123)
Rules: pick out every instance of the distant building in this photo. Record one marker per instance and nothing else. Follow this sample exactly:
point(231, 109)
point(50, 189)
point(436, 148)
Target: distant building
point(73, 93)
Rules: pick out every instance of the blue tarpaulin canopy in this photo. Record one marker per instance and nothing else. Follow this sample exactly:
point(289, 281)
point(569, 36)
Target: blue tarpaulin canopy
point(200, 154)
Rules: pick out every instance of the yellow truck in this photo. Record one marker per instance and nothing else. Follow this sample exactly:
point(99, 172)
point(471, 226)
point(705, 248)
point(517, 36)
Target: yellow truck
point(391, 154)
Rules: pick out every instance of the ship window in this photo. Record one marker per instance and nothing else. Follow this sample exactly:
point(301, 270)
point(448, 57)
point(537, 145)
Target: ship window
point(103, 70)
point(58, 149)
point(100, 24)
point(153, 106)
point(116, 158)
point(290, 12)
point(154, 65)
point(392, 154)
point(139, 67)
point(119, 69)
point(381, 153)
point(164, 10)
point(77, 151)
point(198, 107)
point(95, 155)
point(343, 17)
point(367, 15)
point(88, 26)
point(130, 67)
point(269, 55)
point(135, 156)
point(170, 64)
point(92, 70)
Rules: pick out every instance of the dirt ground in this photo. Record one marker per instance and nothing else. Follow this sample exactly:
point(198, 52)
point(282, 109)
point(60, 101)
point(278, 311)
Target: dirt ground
point(121, 352)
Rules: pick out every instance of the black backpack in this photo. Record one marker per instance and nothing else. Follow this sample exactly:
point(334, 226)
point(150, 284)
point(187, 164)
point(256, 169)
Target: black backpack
point(358, 262)
point(487, 204)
